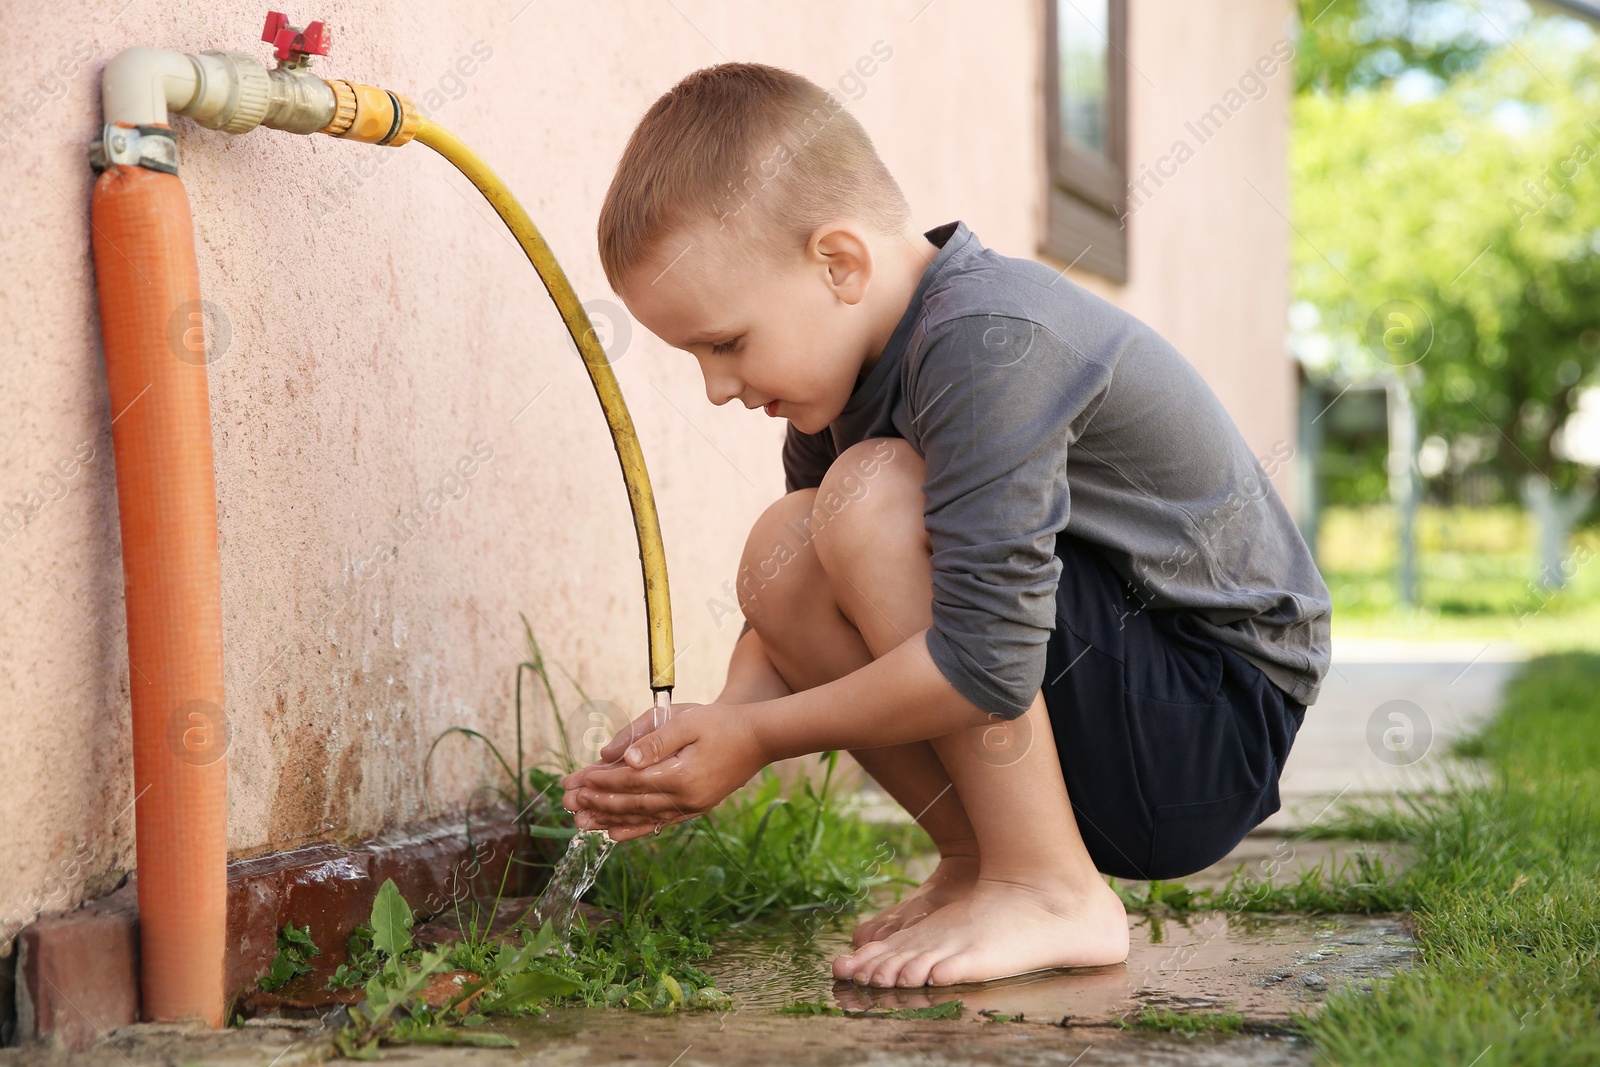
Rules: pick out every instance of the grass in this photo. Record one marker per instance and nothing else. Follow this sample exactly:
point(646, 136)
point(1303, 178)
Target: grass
point(763, 852)
point(1187, 1022)
point(1356, 885)
point(1477, 574)
point(1504, 893)
point(767, 850)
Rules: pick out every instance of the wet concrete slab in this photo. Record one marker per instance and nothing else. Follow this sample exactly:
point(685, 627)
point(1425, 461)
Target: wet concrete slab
point(1267, 968)
point(739, 1038)
point(748, 1040)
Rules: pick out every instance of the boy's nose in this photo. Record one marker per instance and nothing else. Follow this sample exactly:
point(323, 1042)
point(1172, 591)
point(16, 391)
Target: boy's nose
point(721, 390)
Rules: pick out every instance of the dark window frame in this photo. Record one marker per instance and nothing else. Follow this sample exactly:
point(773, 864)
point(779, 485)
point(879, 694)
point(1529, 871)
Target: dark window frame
point(1086, 194)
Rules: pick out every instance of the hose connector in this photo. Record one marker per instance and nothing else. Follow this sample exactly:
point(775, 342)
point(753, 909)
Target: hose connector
point(371, 115)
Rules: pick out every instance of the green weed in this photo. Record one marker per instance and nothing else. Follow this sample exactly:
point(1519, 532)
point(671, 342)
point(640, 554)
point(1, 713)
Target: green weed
point(513, 980)
point(950, 1009)
point(1186, 1022)
point(809, 1007)
point(295, 947)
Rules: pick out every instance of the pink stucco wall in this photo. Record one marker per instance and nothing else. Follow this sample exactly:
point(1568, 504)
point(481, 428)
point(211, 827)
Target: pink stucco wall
point(382, 327)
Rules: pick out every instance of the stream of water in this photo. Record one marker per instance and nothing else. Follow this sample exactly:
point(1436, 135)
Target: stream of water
point(586, 852)
point(558, 904)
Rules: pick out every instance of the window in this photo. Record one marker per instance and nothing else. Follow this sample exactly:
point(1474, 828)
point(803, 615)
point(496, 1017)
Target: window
point(1086, 134)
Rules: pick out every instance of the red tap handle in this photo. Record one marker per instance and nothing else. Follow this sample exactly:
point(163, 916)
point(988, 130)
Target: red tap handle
point(313, 40)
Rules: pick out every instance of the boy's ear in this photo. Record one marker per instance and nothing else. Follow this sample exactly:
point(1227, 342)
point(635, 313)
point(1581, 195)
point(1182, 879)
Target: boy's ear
point(844, 252)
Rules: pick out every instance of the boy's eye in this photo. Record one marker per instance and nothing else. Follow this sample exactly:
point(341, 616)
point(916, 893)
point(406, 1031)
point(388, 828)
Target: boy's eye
point(724, 347)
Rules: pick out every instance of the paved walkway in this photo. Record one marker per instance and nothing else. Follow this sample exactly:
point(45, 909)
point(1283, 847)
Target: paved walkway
point(1385, 720)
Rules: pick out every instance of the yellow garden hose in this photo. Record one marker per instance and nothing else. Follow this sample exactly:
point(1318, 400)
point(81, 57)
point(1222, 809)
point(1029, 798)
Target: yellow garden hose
point(652, 556)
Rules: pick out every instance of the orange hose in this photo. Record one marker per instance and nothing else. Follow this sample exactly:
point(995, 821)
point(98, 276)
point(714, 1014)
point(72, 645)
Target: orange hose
point(149, 287)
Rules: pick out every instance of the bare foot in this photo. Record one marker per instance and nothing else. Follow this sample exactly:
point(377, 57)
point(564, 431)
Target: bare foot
point(1000, 929)
point(951, 880)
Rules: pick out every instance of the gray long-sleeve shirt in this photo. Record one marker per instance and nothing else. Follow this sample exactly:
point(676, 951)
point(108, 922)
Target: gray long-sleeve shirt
point(1038, 407)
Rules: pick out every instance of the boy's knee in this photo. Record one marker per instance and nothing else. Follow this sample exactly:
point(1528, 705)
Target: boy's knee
point(873, 490)
point(775, 560)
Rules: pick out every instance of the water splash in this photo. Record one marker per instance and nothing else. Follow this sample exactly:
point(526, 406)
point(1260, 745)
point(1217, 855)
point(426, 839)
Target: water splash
point(558, 904)
point(586, 852)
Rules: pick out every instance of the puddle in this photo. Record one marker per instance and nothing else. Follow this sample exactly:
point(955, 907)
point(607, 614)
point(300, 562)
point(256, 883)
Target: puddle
point(1262, 966)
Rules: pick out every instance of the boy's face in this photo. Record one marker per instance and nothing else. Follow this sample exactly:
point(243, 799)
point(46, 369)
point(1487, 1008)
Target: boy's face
point(792, 331)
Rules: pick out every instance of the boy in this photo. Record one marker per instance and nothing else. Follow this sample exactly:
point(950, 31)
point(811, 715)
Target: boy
point(1027, 571)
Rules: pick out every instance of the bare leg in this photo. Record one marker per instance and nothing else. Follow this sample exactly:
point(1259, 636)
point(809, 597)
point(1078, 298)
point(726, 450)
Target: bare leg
point(1038, 901)
point(810, 642)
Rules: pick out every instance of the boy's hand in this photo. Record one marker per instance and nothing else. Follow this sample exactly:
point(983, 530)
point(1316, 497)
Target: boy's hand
point(634, 731)
point(611, 754)
point(682, 770)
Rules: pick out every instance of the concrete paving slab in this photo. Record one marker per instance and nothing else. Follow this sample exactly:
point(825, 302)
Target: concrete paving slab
point(584, 1037)
point(1385, 720)
point(1264, 967)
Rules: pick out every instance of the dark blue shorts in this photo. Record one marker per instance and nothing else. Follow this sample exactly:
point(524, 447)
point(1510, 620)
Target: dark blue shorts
point(1171, 744)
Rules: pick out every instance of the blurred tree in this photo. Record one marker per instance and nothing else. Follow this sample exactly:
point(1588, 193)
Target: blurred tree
point(1363, 44)
point(1452, 235)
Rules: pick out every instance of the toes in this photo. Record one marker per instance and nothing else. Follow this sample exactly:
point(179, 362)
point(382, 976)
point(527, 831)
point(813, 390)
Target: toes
point(952, 970)
point(886, 973)
point(870, 952)
point(851, 967)
point(917, 968)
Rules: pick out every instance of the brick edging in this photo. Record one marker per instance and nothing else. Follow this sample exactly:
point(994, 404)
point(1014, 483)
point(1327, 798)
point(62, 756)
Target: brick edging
point(77, 972)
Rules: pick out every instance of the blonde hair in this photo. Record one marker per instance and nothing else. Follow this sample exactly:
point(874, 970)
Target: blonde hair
point(744, 144)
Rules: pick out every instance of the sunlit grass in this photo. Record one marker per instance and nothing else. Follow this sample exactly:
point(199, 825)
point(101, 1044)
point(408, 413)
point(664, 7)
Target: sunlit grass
point(1504, 893)
point(1477, 579)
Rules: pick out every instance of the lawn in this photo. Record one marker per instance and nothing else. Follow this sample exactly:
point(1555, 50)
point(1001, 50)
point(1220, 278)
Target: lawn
point(1477, 579)
point(1505, 892)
